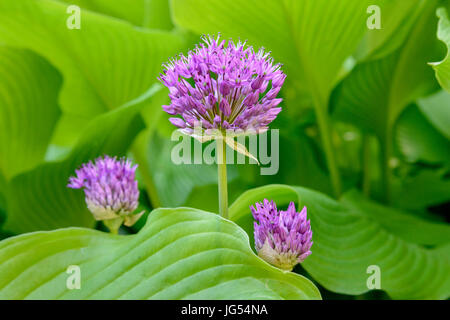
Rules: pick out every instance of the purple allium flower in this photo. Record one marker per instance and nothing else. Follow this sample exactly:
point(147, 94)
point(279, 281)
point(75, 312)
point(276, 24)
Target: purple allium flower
point(223, 86)
point(110, 188)
point(282, 238)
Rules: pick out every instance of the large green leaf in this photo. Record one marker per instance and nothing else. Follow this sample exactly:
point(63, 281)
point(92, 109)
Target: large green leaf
point(146, 13)
point(376, 91)
point(397, 17)
point(39, 199)
point(442, 68)
point(350, 238)
point(105, 63)
point(179, 254)
point(28, 109)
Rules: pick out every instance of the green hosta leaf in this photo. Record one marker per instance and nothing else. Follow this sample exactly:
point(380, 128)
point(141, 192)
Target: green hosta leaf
point(418, 139)
point(401, 224)
point(442, 68)
point(179, 254)
point(376, 92)
point(28, 109)
point(424, 189)
point(40, 200)
point(437, 110)
point(105, 63)
point(397, 17)
point(350, 238)
point(146, 13)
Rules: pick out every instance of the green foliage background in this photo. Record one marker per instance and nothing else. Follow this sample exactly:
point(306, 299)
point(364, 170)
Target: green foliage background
point(364, 144)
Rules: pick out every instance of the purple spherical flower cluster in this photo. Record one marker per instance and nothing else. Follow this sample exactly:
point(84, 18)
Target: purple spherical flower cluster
point(223, 86)
point(282, 238)
point(110, 187)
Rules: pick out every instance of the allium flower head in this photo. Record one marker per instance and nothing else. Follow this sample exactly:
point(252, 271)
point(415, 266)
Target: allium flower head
point(223, 86)
point(110, 188)
point(282, 238)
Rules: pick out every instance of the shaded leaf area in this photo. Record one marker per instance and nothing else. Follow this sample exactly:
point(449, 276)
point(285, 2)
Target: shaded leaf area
point(418, 140)
point(153, 14)
point(442, 68)
point(180, 254)
point(376, 92)
point(49, 203)
point(422, 189)
point(28, 109)
point(436, 109)
point(351, 235)
point(105, 63)
point(175, 182)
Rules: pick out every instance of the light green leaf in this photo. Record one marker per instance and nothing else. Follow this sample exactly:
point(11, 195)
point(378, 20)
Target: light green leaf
point(28, 109)
point(49, 203)
point(396, 19)
point(179, 254)
point(348, 239)
point(376, 92)
point(442, 68)
point(145, 13)
point(105, 63)
point(418, 140)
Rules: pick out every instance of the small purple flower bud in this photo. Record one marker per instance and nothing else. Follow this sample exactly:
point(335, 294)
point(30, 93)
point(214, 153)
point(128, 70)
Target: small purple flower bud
point(110, 188)
point(224, 88)
point(224, 106)
point(282, 238)
point(178, 122)
point(278, 79)
point(169, 109)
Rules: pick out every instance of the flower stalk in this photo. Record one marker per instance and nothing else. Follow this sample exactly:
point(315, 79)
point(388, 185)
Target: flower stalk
point(222, 177)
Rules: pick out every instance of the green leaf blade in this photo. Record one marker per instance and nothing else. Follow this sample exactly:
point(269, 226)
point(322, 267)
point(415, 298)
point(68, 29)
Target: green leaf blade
point(180, 254)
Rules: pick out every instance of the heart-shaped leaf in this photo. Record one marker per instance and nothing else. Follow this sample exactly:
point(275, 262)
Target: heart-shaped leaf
point(350, 238)
point(179, 254)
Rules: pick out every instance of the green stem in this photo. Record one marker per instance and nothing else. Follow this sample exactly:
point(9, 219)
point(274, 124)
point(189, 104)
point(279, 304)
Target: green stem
point(325, 135)
point(366, 154)
point(113, 225)
point(386, 150)
point(222, 177)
